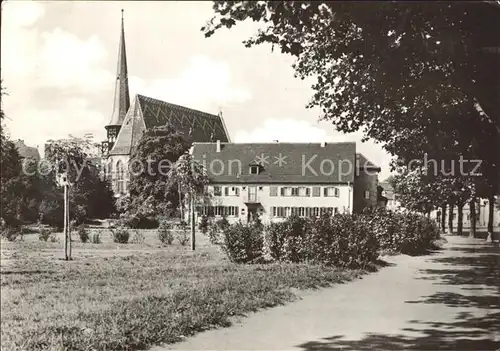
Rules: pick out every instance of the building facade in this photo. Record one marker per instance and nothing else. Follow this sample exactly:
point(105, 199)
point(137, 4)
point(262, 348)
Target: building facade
point(275, 180)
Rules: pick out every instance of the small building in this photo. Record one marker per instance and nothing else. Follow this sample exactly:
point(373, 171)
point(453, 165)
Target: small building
point(276, 180)
point(392, 202)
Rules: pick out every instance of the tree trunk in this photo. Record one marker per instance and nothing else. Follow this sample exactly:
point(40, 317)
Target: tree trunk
point(491, 210)
point(193, 224)
point(181, 209)
point(460, 223)
point(443, 218)
point(450, 219)
point(65, 224)
point(472, 213)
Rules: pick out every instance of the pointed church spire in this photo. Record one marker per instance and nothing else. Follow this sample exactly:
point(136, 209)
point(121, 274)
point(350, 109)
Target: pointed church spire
point(121, 101)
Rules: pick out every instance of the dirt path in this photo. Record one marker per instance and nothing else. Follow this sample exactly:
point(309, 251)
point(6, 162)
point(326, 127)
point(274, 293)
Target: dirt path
point(449, 300)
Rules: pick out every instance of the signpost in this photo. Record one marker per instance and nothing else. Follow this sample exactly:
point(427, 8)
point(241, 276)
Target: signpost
point(67, 232)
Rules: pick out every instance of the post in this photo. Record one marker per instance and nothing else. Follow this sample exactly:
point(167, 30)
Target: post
point(68, 222)
point(65, 222)
point(181, 209)
point(193, 224)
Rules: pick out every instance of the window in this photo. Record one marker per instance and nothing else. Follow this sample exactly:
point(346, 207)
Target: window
point(261, 188)
point(367, 194)
point(316, 191)
point(302, 212)
point(303, 191)
point(335, 210)
point(254, 169)
point(217, 191)
point(231, 191)
point(120, 177)
point(286, 191)
point(230, 211)
point(273, 191)
point(331, 191)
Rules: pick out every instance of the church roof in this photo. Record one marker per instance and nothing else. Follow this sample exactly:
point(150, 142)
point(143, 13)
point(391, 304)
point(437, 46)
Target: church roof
point(146, 112)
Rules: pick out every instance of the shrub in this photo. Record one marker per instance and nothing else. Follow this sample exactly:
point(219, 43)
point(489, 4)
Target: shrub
point(242, 243)
point(44, 234)
point(165, 233)
point(11, 233)
point(53, 238)
point(204, 224)
point(83, 233)
point(216, 229)
point(407, 233)
point(284, 241)
point(120, 235)
point(138, 237)
point(96, 238)
point(138, 221)
point(182, 233)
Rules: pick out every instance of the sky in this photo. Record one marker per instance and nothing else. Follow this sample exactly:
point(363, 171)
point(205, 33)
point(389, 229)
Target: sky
point(59, 68)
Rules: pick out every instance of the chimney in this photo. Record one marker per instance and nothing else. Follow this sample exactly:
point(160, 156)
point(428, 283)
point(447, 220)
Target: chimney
point(218, 146)
point(323, 143)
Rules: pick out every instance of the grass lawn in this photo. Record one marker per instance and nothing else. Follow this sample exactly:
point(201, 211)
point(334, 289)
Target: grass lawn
point(131, 296)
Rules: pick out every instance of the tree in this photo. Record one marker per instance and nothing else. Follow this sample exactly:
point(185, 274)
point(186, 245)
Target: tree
point(415, 77)
point(89, 196)
point(150, 190)
point(191, 178)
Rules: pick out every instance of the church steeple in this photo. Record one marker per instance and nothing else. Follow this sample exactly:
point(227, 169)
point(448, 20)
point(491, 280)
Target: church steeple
point(121, 101)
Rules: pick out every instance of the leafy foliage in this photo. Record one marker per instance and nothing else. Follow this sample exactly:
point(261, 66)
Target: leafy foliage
point(343, 240)
point(120, 235)
point(165, 234)
point(415, 77)
point(44, 234)
point(204, 224)
point(83, 233)
point(151, 192)
point(242, 243)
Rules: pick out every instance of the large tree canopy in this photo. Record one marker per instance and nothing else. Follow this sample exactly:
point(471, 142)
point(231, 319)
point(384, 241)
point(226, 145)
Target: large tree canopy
point(421, 78)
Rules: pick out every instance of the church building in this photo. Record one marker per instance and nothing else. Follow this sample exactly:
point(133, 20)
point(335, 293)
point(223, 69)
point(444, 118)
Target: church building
point(129, 120)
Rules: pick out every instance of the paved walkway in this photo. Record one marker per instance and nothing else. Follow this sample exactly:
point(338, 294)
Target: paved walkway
point(449, 300)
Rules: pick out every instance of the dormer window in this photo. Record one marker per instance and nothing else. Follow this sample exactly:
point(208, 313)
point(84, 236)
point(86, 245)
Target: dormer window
point(254, 169)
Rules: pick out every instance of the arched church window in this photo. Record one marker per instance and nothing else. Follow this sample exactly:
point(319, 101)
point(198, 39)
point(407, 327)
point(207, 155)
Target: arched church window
point(120, 177)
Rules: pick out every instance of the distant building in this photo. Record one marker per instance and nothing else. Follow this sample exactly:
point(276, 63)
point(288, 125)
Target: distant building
point(392, 202)
point(27, 152)
point(276, 180)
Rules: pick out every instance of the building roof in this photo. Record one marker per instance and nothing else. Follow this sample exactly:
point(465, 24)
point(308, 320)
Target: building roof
point(364, 163)
point(146, 112)
point(301, 162)
point(26, 151)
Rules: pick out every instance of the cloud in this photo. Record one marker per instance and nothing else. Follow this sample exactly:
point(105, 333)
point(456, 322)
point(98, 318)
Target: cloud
point(204, 84)
point(284, 130)
point(72, 116)
point(54, 58)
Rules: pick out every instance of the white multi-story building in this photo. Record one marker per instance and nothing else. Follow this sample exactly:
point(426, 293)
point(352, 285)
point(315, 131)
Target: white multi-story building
point(276, 180)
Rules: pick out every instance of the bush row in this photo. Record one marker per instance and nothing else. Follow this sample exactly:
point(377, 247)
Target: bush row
point(343, 240)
